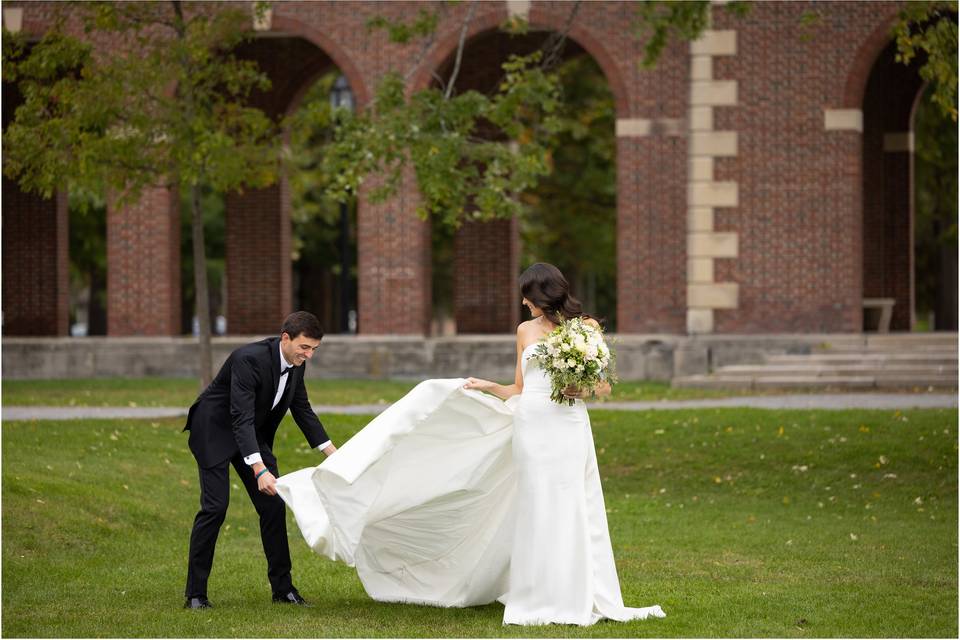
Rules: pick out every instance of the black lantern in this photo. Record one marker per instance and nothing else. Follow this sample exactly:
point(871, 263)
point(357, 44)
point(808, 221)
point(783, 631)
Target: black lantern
point(341, 97)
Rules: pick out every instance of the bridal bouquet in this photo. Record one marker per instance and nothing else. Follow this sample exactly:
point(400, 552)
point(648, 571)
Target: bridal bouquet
point(574, 354)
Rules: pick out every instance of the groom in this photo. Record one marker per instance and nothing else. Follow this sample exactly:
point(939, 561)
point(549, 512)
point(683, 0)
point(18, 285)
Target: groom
point(233, 422)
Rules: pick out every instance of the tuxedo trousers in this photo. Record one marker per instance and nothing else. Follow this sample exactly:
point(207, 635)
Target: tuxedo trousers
point(214, 499)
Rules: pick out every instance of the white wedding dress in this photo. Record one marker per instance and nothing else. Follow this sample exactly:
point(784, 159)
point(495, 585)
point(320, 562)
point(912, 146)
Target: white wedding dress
point(454, 498)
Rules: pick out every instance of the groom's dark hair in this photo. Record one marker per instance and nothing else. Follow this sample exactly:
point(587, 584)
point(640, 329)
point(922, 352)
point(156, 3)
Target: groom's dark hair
point(302, 323)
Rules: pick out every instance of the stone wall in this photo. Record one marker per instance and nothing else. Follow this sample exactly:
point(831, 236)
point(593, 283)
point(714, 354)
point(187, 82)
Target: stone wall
point(639, 357)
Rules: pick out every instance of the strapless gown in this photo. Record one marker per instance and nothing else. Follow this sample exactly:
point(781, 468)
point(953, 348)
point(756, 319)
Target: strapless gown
point(454, 498)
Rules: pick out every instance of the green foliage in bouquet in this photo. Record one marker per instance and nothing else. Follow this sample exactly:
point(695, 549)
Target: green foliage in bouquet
point(575, 355)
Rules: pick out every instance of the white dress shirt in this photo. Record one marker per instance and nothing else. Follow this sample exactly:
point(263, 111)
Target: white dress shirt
point(285, 367)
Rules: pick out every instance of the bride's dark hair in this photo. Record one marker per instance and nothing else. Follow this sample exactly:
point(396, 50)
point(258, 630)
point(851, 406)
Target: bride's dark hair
point(544, 286)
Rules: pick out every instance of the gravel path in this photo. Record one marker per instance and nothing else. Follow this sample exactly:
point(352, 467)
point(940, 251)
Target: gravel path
point(799, 401)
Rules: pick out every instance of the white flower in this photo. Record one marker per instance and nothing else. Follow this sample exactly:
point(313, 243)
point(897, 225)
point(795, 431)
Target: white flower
point(580, 344)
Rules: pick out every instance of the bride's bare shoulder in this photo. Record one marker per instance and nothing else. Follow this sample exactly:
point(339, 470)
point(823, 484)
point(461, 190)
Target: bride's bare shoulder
point(525, 328)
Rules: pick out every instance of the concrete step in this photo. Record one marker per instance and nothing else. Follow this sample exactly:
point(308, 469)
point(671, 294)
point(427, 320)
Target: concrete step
point(863, 358)
point(892, 342)
point(894, 348)
point(716, 381)
point(759, 371)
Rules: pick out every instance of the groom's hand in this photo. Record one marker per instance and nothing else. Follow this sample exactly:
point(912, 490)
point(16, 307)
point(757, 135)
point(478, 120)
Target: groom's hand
point(266, 483)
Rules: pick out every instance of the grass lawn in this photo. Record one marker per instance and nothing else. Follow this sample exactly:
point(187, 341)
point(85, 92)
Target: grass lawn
point(181, 392)
point(739, 523)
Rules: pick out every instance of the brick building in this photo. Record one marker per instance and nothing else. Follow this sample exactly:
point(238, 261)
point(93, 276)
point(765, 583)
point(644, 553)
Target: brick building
point(763, 181)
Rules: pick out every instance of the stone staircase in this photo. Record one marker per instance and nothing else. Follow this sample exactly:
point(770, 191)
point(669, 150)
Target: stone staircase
point(870, 361)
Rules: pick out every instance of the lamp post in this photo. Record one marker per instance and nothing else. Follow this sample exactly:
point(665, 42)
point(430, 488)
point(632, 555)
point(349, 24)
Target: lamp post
point(341, 97)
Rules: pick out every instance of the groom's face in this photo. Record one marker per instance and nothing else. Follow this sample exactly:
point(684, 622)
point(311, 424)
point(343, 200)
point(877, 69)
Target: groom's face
point(298, 349)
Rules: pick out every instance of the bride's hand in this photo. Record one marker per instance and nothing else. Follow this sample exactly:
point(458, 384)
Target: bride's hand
point(478, 384)
point(573, 391)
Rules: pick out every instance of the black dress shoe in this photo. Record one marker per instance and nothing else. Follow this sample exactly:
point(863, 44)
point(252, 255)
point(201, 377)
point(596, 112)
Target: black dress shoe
point(291, 597)
point(197, 603)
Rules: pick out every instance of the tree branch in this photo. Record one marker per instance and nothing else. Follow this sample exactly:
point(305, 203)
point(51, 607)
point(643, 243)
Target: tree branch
point(554, 44)
point(460, 47)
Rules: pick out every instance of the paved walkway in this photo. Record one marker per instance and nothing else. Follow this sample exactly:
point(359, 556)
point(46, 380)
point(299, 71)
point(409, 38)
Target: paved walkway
point(797, 401)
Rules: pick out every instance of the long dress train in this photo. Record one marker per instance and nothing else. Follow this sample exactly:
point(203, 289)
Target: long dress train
point(454, 498)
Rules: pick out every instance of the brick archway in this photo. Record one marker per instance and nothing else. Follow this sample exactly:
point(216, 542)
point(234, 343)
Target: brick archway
point(258, 232)
point(890, 97)
point(886, 93)
point(487, 255)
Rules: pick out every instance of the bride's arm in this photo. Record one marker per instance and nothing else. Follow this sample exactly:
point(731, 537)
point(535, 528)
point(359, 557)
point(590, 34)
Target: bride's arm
point(502, 391)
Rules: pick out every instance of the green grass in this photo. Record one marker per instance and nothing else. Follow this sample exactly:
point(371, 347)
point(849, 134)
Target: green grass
point(181, 392)
point(739, 523)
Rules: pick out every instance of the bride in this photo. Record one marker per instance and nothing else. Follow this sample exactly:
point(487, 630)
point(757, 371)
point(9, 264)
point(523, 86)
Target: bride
point(452, 497)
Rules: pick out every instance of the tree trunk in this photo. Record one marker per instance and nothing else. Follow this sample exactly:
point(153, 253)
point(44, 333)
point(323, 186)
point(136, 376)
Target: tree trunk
point(200, 285)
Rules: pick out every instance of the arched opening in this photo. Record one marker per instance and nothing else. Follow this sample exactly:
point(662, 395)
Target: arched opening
point(88, 265)
point(286, 246)
point(572, 213)
point(935, 217)
point(324, 243)
point(904, 252)
point(35, 270)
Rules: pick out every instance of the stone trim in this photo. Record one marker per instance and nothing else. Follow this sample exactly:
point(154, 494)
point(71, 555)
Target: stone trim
point(712, 244)
point(715, 93)
point(843, 120)
point(713, 194)
point(717, 295)
point(899, 142)
point(713, 143)
point(701, 119)
point(704, 193)
point(13, 19)
point(264, 22)
point(643, 127)
point(699, 219)
point(714, 42)
point(699, 321)
point(518, 9)
point(633, 127)
point(701, 68)
point(701, 169)
point(699, 270)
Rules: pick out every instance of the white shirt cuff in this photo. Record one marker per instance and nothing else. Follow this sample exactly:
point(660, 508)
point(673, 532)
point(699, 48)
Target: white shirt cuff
point(253, 458)
point(324, 445)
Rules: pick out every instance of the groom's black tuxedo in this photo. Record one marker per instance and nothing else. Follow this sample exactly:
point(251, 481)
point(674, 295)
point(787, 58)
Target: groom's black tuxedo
point(235, 412)
point(232, 418)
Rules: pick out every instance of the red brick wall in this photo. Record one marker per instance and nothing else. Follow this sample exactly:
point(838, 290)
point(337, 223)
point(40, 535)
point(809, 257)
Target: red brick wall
point(35, 263)
point(799, 215)
point(259, 285)
point(486, 298)
point(394, 280)
point(143, 266)
point(800, 219)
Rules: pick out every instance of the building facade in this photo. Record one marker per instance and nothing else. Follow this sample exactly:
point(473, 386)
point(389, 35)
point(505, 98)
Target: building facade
point(763, 180)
